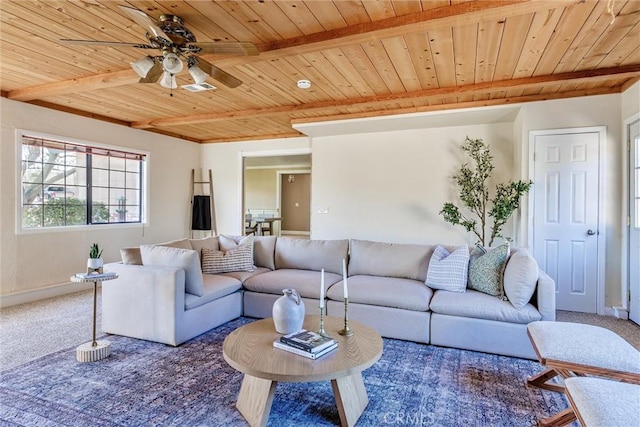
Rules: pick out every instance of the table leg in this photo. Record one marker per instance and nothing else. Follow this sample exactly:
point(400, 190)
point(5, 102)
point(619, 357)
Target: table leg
point(255, 399)
point(351, 398)
point(94, 343)
point(94, 350)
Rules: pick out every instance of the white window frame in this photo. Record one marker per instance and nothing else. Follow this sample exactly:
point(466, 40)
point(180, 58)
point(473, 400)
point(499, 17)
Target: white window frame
point(144, 187)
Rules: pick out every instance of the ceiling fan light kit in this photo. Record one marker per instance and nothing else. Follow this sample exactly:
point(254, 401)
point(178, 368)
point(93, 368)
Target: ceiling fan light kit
point(172, 64)
point(197, 74)
point(177, 43)
point(142, 66)
point(168, 80)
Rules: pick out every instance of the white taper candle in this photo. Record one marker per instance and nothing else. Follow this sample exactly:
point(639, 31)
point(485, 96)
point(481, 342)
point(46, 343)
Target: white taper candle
point(344, 278)
point(322, 288)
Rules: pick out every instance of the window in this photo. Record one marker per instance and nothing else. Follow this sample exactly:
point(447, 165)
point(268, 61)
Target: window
point(70, 184)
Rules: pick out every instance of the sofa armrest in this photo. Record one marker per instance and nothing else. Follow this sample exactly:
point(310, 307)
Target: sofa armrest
point(145, 302)
point(546, 296)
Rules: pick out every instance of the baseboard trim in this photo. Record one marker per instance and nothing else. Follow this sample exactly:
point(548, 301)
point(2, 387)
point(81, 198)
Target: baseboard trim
point(619, 312)
point(43, 293)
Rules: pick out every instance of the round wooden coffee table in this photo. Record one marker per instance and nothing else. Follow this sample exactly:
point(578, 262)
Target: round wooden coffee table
point(249, 349)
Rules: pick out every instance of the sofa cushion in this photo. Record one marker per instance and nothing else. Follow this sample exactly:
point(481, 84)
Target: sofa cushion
point(214, 287)
point(264, 251)
point(304, 254)
point(264, 248)
point(180, 244)
point(237, 259)
point(407, 294)
point(131, 256)
point(244, 275)
point(520, 278)
point(407, 261)
point(486, 269)
point(448, 271)
point(207, 242)
point(479, 305)
point(306, 282)
point(186, 259)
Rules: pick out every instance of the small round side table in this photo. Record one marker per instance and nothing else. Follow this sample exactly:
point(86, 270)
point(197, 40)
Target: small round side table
point(94, 350)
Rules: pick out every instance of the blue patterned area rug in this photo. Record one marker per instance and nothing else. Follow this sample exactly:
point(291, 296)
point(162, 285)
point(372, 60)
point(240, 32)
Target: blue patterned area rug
point(150, 384)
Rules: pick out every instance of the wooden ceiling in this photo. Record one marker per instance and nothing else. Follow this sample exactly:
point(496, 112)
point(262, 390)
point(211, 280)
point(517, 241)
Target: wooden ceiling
point(363, 57)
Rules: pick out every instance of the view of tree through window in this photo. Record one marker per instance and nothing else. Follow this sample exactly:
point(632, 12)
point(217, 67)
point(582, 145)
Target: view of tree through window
point(67, 184)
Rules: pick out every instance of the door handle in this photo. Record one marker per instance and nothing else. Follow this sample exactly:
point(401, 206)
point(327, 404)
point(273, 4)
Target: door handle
point(590, 232)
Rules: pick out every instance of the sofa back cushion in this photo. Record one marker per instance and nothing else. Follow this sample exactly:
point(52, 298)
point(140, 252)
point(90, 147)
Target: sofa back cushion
point(401, 260)
point(520, 277)
point(264, 248)
point(210, 243)
point(303, 254)
point(186, 259)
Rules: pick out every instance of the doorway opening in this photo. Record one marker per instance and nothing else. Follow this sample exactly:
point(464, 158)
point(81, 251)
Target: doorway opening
point(269, 208)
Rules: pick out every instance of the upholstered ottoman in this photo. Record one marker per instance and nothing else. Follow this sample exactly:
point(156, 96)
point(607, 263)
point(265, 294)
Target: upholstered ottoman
point(602, 402)
point(574, 349)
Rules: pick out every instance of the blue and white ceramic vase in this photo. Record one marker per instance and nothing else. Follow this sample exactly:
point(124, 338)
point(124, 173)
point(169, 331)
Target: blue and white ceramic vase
point(288, 312)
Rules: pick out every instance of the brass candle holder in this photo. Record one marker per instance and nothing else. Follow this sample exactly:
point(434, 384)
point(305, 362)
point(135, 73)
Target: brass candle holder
point(347, 332)
point(321, 331)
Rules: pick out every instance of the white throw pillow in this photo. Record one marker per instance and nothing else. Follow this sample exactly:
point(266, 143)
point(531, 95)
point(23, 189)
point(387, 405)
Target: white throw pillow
point(186, 259)
point(520, 278)
point(448, 271)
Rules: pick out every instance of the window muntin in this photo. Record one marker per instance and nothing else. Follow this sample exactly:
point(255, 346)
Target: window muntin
point(70, 184)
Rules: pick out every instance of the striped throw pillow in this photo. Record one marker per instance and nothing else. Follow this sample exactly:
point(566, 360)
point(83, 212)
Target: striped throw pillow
point(237, 259)
point(448, 271)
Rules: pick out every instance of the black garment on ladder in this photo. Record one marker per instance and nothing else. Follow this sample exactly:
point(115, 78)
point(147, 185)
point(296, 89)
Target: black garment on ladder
point(201, 217)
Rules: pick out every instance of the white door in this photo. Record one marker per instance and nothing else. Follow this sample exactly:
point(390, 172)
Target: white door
point(565, 221)
point(634, 221)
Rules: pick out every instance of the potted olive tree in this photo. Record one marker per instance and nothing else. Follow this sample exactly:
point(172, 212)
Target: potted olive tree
point(485, 214)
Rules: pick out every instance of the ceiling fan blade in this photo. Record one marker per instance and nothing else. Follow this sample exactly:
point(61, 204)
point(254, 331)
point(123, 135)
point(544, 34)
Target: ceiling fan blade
point(103, 43)
point(219, 74)
point(154, 73)
point(228, 48)
point(145, 21)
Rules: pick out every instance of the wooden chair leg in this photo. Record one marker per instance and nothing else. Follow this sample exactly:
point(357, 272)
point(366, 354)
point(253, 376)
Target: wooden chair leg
point(560, 419)
point(540, 381)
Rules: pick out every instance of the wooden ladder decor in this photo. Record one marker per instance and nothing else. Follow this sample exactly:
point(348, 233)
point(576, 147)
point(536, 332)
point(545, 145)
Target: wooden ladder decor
point(209, 186)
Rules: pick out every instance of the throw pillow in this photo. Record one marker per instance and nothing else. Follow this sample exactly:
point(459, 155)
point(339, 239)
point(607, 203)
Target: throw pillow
point(131, 256)
point(448, 271)
point(207, 242)
point(520, 278)
point(186, 259)
point(238, 259)
point(227, 243)
point(486, 268)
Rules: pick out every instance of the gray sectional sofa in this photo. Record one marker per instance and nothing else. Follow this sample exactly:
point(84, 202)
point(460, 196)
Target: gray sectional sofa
point(387, 291)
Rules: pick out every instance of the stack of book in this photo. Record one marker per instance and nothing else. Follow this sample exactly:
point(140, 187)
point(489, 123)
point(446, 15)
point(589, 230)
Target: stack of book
point(306, 343)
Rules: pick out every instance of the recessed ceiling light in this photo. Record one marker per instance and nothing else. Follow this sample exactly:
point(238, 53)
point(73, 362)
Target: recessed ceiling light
point(304, 84)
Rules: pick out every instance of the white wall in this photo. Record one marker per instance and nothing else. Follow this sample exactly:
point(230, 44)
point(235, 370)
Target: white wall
point(35, 261)
point(391, 186)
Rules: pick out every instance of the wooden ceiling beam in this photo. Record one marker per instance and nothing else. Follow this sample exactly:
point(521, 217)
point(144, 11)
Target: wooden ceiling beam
point(457, 14)
point(463, 105)
point(98, 81)
point(442, 17)
point(625, 72)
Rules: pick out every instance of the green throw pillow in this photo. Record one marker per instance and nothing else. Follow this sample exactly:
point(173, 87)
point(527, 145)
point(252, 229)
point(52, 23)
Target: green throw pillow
point(486, 269)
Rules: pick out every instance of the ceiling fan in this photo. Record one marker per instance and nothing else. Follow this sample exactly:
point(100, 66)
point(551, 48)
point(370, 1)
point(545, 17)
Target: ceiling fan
point(169, 35)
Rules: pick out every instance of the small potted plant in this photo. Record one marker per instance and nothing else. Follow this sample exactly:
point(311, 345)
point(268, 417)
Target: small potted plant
point(94, 263)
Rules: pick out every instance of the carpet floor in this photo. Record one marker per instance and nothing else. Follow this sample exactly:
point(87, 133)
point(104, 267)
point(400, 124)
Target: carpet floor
point(150, 384)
